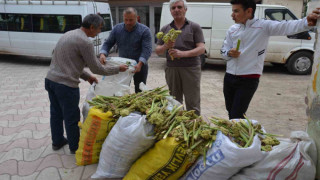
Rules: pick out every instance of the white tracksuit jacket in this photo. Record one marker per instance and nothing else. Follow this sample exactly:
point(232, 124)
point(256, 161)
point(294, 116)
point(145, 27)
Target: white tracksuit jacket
point(254, 36)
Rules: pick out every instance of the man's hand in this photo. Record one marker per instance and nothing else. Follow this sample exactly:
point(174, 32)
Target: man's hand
point(176, 53)
point(234, 53)
point(92, 79)
point(169, 44)
point(313, 17)
point(137, 68)
point(102, 59)
point(123, 67)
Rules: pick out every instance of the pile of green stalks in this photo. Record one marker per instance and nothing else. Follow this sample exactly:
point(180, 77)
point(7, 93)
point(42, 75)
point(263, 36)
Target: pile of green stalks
point(185, 126)
point(124, 105)
point(242, 132)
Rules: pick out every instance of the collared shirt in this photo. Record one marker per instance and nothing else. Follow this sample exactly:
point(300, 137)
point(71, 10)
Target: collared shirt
point(254, 36)
point(187, 40)
point(135, 44)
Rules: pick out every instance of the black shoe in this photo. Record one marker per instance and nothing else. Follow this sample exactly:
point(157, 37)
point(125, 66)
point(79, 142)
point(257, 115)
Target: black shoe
point(57, 147)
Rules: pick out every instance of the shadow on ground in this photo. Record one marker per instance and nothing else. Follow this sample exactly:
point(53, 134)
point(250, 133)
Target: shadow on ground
point(26, 60)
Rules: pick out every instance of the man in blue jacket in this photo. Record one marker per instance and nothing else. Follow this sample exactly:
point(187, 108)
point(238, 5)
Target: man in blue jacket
point(134, 42)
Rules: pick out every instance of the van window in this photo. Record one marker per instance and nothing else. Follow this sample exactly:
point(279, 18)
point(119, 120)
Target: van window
point(285, 14)
point(19, 22)
point(55, 23)
point(107, 21)
point(279, 14)
point(3, 22)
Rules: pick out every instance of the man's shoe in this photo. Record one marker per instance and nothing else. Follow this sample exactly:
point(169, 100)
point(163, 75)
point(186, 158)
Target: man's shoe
point(57, 147)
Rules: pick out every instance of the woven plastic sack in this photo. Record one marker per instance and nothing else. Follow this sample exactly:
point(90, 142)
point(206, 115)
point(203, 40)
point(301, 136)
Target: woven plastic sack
point(94, 131)
point(224, 159)
point(166, 160)
point(129, 138)
point(292, 159)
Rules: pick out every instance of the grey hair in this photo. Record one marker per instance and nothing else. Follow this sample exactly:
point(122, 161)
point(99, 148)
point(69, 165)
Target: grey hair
point(130, 10)
point(174, 1)
point(92, 19)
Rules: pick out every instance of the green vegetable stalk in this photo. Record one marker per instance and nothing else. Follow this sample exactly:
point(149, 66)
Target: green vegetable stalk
point(172, 35)
point(238, 45)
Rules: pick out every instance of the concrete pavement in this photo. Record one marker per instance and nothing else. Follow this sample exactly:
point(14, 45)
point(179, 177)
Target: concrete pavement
point(25, 138)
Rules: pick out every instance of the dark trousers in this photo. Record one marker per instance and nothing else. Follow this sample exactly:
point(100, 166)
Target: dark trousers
point(140, 77)
point(64, 105)
point(238, 92)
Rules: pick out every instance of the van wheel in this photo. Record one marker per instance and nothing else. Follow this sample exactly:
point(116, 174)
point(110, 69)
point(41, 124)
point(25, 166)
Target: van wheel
point(203, 60)
point(300, 63)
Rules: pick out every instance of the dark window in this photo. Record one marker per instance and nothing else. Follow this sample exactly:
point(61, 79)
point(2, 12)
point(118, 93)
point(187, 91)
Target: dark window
point(19, 22)
point(3, 22)
point(107, 21)
point(55, 23)
point(279, 14)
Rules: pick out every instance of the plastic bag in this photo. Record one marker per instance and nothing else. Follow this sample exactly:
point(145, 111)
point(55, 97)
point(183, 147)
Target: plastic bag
point(291, 159)
point(115, 85)
point(224, 159)
point(85, 107)
point(129, 138)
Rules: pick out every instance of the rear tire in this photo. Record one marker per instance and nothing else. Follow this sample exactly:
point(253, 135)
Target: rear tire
point(300, 63)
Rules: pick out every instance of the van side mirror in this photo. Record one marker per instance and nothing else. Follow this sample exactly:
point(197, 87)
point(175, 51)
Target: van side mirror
point(303, 35)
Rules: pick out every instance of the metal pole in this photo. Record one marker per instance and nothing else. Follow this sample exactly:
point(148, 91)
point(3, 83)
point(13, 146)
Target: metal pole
point(313, 92)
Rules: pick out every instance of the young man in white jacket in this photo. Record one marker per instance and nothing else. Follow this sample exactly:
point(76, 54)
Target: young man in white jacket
point(244, 66)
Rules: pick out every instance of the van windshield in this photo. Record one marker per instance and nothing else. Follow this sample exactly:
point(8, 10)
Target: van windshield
point(107, 21)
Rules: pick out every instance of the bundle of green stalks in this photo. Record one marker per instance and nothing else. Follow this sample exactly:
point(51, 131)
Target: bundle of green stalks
point(124, 105)
point(185, 126)
point(243, 131)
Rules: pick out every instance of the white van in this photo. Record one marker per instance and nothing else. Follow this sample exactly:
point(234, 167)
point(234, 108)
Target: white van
point(295, 51)
point(33, 28)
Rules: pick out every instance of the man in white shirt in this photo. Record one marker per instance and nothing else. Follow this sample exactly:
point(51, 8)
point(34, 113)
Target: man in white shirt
point(245, 66)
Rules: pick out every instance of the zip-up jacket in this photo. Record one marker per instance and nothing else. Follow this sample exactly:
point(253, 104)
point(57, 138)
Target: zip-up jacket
point(254, 36)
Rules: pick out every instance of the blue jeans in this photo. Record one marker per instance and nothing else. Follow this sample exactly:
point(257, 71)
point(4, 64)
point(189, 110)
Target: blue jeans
point(64, 105)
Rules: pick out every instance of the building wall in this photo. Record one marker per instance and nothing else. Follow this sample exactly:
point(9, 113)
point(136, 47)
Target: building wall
point(149, 11)
point(124, 2)
point(295, 6)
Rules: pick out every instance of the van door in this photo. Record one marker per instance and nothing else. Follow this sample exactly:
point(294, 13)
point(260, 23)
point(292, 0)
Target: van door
point(4, 35)
point(46, 31)
point(103, 9)
point(200, 14)
point(20, 33)
point(48, 28)
point(279, 46)
point(221, 22)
